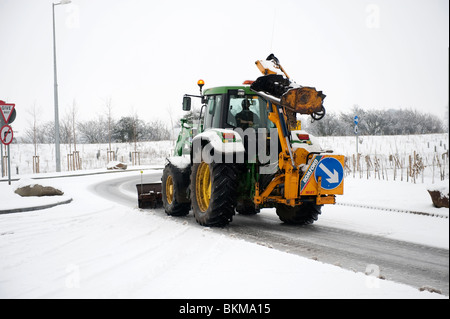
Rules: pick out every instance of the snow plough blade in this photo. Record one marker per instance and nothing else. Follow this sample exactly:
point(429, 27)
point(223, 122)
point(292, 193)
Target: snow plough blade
point(149, 195)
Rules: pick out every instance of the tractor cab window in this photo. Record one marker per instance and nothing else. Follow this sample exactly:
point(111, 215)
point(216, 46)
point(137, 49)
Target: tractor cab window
point(213, 111)
point(246, 111)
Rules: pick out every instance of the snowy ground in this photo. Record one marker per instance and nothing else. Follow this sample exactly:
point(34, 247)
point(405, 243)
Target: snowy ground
point(96, 248)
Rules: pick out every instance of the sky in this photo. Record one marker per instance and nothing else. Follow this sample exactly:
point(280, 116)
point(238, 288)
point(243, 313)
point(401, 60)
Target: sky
point(144, 55)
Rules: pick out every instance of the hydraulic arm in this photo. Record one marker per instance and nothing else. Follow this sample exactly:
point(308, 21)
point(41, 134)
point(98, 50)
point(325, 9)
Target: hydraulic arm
point(285, 99)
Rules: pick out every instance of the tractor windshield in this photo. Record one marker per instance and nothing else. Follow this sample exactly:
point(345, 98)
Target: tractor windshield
point(246, 111)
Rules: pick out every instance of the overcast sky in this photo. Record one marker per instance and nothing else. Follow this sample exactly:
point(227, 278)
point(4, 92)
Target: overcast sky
point(145, 55)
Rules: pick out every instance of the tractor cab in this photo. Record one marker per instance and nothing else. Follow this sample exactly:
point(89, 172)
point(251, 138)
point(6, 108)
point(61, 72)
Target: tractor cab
point(233, 107)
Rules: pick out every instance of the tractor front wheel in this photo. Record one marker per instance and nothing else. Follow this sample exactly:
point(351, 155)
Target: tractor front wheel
point(175, 184)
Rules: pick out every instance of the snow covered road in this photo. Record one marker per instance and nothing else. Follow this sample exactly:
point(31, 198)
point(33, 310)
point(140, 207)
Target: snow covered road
point(101, 246)
point(332, 241)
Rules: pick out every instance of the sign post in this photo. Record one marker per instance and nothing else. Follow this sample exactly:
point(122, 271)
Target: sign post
point(6, 133)
point(9, 166)
point(6, 136)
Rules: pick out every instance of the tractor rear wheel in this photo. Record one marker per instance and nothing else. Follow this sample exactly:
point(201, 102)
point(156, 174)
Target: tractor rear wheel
point(213, 193)
point(175, 184)
point(305, 214)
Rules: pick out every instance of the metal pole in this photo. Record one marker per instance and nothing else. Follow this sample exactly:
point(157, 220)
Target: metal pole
point(9, 167)
point(141, 182)
point(57, 146)
point(1, 149)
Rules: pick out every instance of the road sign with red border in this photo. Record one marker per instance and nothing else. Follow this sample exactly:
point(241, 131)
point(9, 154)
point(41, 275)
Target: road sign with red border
point(6, 134)
point(6, 110)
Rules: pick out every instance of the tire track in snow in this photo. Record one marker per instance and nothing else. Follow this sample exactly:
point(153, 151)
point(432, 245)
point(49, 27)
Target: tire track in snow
point(393, 210)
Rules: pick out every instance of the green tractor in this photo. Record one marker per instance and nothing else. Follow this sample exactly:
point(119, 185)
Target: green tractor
point(247, 152)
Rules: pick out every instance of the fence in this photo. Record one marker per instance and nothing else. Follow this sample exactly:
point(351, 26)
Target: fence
point(414, 158)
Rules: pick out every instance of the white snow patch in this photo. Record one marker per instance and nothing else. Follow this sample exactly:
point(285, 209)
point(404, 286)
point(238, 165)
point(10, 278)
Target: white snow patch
point(180, 162)
point(440, 186)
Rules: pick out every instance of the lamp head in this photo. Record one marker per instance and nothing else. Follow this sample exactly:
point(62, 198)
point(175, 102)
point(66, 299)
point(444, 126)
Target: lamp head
point(63, 2)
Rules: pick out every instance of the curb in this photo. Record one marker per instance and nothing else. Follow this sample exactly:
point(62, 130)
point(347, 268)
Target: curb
point(28, 209)
point(33, 208)
point(85, 174)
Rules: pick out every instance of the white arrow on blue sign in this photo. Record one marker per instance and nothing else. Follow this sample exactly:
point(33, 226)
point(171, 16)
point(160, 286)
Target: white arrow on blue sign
point(356, 119)
point(331, 171)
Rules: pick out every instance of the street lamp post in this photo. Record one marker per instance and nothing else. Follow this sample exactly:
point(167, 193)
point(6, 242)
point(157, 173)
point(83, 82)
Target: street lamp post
point(57, 146)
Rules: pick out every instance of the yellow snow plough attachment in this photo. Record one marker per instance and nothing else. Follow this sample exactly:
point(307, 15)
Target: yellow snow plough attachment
point(303, 176)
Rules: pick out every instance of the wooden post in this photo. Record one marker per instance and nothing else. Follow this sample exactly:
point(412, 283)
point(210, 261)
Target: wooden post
point(408, 174)
point(401, 169)
point(358, 159)
point(354, 165)
point(76, 160)
point(35, 164)
point(69, 162)
point(135, 158)
point(110, 155)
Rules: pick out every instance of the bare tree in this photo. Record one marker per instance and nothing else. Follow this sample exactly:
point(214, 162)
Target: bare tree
point(109, 118)
point(375, 122)
point(93, 131)
point(74, 112)
point(328, 126)
point(32, 134)
point(170, 112)
point(135, 124)
point(66, 131)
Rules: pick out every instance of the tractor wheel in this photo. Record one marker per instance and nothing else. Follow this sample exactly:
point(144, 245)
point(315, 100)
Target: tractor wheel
point(305, 214)
point(175, 184)
point(246, 207)
point(213, 193)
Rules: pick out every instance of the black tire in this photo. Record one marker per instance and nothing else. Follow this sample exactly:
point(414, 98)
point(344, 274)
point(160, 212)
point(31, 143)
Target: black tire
point(218, 210)
point(247, 207)
point(176, 200)
point(305, 214)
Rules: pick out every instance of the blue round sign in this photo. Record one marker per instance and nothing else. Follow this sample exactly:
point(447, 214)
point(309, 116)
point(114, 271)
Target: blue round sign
point(356, 119)
point(331, 171)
